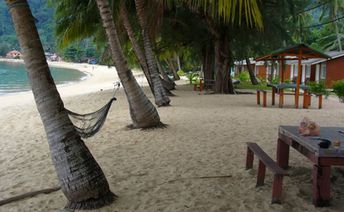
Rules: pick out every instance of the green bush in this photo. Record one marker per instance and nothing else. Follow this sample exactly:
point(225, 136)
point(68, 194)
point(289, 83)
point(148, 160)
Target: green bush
point(181, 73)
point(262, 80)
point(287, 81)
point(338, 89)
point(244, 76)
point(318, 88)
point(193, 78)
point(275, 80)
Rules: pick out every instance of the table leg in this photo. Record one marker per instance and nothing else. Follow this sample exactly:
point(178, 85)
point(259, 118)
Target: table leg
point(282, 154)
point(281, 98)
point(320, 101)
point(321, 187)
point(273, 96)
point(305, 103)
point(258, 97)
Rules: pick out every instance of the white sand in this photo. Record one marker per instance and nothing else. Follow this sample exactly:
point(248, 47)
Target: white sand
point(206, 137)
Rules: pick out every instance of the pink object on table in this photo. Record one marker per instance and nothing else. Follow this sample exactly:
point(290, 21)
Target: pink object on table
point(309, 127)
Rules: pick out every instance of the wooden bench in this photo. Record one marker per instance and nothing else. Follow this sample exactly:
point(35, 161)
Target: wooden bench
point(266, 161)
point(264, 97)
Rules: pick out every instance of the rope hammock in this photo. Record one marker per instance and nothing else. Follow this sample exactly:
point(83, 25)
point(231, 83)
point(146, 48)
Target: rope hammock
point(89, 124)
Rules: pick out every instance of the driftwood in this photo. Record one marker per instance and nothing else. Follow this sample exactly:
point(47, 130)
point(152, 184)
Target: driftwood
point(29, 194)
point(193, 178)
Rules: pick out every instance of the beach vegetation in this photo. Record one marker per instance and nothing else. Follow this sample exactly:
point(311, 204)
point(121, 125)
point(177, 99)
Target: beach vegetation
point(318, 88)
point(244, 76)
point(181, 73)
point(338, 89)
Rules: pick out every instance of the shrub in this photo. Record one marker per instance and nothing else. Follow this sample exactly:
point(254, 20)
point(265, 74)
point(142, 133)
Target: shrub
point(275, 80)
point(262, 80)
point(338, 89)
point(181, 73)
point(318, 88)
point(287, 81)
point(193, 78)
point(244, 76)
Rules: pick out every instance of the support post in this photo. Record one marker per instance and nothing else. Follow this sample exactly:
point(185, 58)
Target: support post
point(258, 97)
point(320, 101)
point(264, 98)
point(273, 96)
point(281, 98)
point(298, 80)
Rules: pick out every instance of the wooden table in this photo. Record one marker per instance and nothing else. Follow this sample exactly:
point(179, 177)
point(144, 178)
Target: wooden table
point(322, 159)
point(279, 88)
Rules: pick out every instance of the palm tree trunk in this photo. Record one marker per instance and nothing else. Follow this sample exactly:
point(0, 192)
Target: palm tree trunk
point(173, 69)
point(137, 49)
point(165, 78)
point(142, 111)
point(223, 81)
point(208, 66)
point(251, 72)
point(80, 177)
point(161, 98)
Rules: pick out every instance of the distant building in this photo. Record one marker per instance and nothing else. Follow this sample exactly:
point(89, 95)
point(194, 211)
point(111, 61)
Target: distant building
point(52, 56)
point(14, 54)
point(327, 70)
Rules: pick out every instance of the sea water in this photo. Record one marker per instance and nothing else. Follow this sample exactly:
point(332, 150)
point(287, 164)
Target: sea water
point(13, 77)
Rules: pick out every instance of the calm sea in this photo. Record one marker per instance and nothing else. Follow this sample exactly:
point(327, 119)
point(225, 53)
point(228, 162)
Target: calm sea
point(13, 77)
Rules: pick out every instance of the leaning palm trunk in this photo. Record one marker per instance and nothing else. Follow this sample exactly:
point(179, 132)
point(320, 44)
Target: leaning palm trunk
point(169, 84)
point(142, 111)
point(251, 72)
point(161, 98)
point(80, 177)
point(137, 49)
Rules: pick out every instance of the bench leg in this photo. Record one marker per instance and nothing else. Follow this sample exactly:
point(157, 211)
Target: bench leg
point(261, 174)
point(321, 185)
point(277, 189)
point(249, 159)
point(264, 98)
point(258, 97)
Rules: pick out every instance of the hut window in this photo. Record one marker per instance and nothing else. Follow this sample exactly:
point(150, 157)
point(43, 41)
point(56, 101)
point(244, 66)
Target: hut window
point(323, 71)
point(308, 71)
point(295, 70)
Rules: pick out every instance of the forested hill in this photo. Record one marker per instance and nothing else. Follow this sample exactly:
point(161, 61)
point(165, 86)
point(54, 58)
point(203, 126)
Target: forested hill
point(44, 21)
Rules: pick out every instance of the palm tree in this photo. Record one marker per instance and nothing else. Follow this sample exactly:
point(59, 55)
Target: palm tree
point(216, 15)
point(331, 10)
point(142, 111)
point(80, 177)
point(161, 97)
point(134, 42)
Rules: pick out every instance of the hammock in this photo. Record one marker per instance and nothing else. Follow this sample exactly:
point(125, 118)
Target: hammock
point(89, 124)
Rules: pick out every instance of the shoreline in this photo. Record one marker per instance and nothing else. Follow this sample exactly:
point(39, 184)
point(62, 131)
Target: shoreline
point(98, 78)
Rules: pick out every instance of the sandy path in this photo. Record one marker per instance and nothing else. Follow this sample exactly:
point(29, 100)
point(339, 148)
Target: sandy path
point(206, 136)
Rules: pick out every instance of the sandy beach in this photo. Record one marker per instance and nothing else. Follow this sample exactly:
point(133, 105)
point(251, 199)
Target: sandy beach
point(159, 170)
